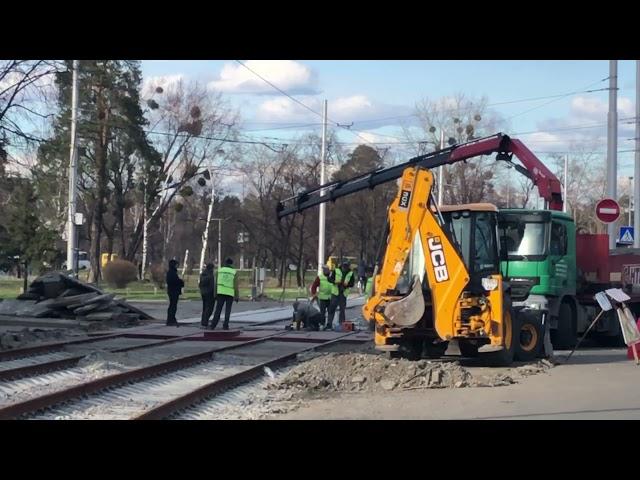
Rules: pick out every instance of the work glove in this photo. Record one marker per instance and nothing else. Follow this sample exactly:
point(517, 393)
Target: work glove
point(236, 299)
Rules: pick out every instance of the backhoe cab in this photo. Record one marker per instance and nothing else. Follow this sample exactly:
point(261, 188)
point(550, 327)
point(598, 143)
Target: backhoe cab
point(439, 278)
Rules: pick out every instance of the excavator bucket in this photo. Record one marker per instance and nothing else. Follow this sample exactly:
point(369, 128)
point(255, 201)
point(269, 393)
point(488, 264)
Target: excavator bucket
point(408, 310)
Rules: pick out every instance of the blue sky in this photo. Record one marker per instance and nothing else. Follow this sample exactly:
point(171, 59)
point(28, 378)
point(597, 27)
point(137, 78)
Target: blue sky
point(366, 90)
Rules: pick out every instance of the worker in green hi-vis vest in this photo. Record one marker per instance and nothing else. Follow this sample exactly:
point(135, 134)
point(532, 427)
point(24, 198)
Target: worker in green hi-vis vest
point(321, 290)
point(342, 279)
point(226, 292)
point(369, 282)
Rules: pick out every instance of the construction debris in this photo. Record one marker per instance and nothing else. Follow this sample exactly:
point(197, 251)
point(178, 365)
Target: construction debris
point(370, 372)
point(55, 295)
point(26, 336)
point(337, 372)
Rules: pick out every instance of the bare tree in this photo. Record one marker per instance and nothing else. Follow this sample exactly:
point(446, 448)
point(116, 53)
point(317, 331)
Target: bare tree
point(189, 126)
point(461, 119)
point(23, 87)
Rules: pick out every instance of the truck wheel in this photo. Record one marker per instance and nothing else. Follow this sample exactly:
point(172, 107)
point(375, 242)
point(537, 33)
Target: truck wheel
point(468, 349)
point(504, 357)
point(529, 338)
point(565, 337)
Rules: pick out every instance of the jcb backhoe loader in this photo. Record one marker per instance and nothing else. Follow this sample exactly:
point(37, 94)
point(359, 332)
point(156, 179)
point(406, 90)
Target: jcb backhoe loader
point(439, 278)
point(438, 274)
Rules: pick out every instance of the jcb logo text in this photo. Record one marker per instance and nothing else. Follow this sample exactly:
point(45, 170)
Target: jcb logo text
point(437, 259)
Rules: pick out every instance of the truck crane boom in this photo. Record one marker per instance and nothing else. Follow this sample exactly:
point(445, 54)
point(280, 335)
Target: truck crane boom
point(547, 183)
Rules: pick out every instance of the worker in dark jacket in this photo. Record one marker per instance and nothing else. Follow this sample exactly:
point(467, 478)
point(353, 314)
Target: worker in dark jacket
point(362, 275)
point(307, 316)
point(174, 290)
point(226, 292)
point(207, 285)
point(342, 279)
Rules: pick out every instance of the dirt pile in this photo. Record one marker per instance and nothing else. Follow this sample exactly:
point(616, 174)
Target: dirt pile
point(336, 372)
point(370, 373)
point(26, 336)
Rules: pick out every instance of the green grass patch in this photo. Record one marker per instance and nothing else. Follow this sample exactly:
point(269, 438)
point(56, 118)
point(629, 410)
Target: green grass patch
point(10, 288)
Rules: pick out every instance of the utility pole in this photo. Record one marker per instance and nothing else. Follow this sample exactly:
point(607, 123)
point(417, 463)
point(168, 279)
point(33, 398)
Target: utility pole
point(612, 145)
point(219, 243)
point(636, 173)
point(440, 171)
point(219, 220)
point(630, 197)
point(566, 182)
point(323, 206)
point(73, 171)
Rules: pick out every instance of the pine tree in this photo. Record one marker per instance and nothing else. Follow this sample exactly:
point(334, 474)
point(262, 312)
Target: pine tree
point(26, 239)
point(112, 138)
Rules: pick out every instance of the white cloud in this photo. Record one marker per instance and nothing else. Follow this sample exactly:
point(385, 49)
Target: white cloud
point(293, 77)
point(596, 109)
point(585, 125)
point(343, 110)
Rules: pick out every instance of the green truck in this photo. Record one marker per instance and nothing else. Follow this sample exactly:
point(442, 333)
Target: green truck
point(553, 273)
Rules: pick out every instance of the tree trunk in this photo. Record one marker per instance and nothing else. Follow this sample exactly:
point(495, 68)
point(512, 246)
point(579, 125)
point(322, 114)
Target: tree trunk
point(205, 235)
point(136, 239)
point(101, 181)
point(110, 243)
point(25, 277)
point(120, 220)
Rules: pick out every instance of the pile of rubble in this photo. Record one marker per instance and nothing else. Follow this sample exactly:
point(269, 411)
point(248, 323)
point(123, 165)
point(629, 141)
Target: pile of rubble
point(26, 336)
point(56, 295)
point(375, 373)
point(370, 372)
point(512, 375)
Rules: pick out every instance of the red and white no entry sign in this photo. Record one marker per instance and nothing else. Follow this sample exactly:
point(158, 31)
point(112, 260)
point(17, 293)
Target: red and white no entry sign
point(607, 210)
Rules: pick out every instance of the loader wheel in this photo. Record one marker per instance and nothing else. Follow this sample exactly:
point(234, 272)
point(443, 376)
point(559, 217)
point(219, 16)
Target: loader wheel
point(467, 349)
point(504, 357)
point(529, 338)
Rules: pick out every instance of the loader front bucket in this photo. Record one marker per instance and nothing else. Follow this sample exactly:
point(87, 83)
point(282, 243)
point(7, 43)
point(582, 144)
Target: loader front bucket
point(408, 310)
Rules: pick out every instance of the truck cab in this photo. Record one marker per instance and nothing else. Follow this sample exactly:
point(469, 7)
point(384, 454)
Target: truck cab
point(539, 264)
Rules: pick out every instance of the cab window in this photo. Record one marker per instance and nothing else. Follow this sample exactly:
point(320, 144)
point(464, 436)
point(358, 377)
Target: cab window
point(558, 241)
